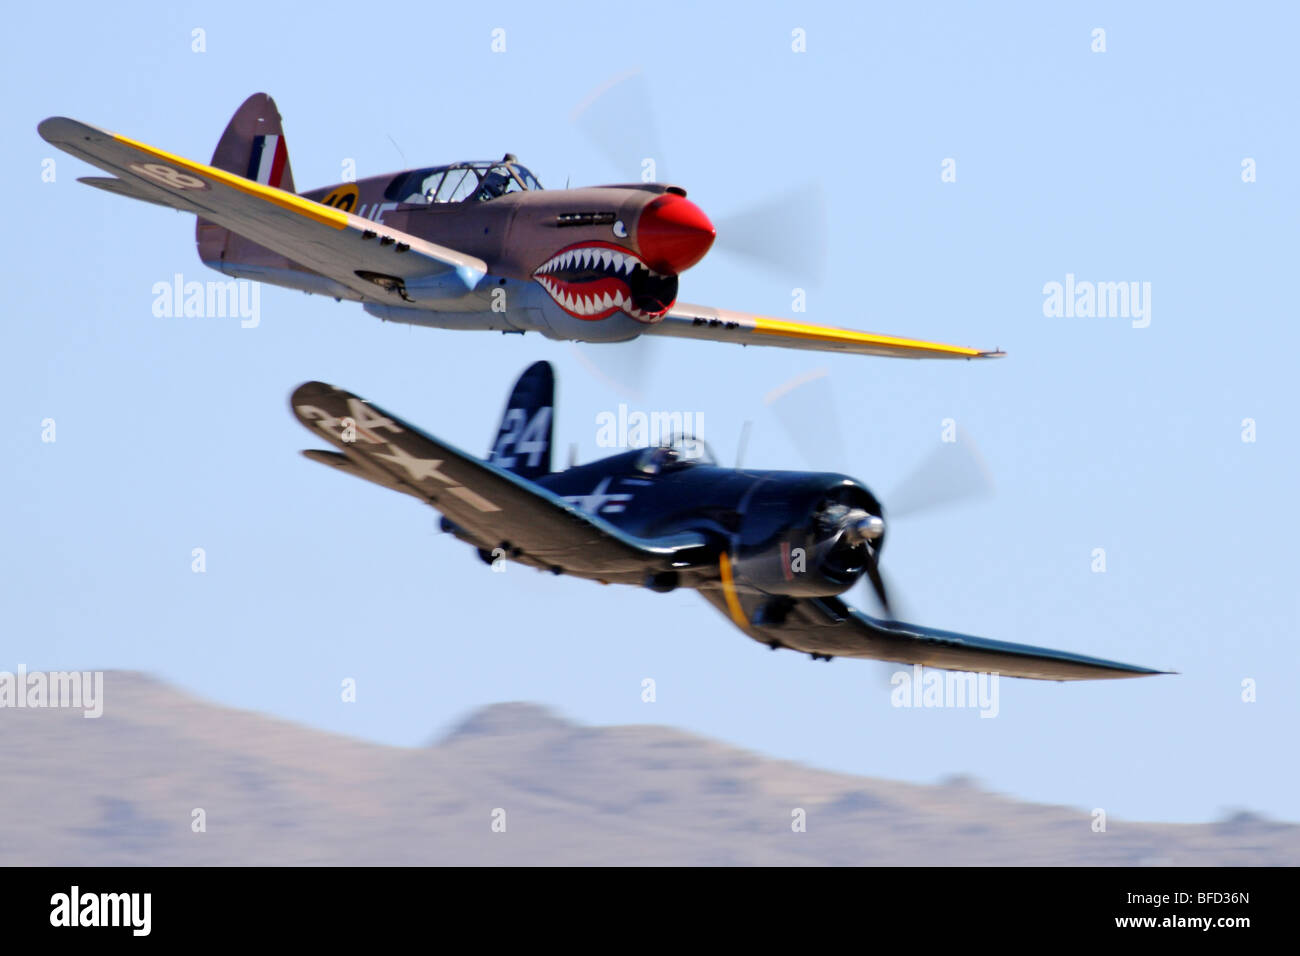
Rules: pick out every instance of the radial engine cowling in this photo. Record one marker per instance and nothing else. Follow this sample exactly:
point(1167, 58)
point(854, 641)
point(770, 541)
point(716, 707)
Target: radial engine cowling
point(807, 535)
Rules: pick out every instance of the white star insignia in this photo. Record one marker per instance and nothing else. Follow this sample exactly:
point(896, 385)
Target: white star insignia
point(419, 468)
point(598, 500)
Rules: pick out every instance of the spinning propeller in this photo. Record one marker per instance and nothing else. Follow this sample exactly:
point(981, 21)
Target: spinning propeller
point(785, 231)
point(952, 473)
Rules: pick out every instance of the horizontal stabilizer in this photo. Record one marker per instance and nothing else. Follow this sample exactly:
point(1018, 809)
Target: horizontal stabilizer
point(341, 462)
point(121, 187)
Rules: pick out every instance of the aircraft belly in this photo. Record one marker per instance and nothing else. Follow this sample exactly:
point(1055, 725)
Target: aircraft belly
point(564, 327)
point(300, 279)
point(507, 305)
point(452, 319)
point(497, 304)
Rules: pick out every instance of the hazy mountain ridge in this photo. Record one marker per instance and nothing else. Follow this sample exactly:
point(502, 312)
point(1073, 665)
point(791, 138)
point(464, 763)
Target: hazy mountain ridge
point(121, 790)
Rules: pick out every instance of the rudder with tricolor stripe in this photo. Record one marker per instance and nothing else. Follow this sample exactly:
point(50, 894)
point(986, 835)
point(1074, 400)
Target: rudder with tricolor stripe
point(253, 145)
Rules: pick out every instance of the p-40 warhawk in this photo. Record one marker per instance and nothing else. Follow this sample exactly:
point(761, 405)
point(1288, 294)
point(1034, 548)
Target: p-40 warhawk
point(471, 245)
point(772, 550)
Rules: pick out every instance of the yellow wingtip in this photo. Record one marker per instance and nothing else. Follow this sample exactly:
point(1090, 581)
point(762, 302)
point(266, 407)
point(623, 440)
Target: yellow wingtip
point(830, 334)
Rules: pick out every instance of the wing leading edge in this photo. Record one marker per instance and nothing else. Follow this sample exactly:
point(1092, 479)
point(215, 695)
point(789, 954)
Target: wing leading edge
point(742, 328)
point(828, 626)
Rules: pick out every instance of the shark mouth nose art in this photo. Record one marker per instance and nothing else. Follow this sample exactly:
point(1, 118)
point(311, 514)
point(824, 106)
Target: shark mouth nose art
point(593, 280)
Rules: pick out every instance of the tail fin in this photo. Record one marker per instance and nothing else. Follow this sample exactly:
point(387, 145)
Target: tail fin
point(523, 442)
point(252, 146)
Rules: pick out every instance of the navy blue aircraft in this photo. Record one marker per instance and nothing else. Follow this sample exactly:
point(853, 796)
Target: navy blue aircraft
point(772, 550)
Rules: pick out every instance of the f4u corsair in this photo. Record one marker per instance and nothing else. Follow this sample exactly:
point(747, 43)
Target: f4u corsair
point(472, 245)
point(772, 550)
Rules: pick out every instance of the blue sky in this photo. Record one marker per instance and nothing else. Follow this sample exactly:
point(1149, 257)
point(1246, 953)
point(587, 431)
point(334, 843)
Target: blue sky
point(1117, 166)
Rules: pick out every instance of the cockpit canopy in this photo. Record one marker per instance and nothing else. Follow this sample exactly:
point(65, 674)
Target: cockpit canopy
point(681, 452)
point(462, 182)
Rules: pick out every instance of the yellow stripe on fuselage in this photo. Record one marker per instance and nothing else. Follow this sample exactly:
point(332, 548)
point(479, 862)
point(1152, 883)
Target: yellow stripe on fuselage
point(326, 216)
point(800, 330)
point(729, 592)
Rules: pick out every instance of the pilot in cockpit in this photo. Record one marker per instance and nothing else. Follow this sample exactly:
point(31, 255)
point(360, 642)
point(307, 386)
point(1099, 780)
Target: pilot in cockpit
point(495, 184)
point(655, 460)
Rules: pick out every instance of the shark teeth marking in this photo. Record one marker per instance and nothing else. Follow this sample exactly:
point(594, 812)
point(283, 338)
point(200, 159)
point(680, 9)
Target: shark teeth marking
point(594, 281)
point(603, 259)
point(606, 260)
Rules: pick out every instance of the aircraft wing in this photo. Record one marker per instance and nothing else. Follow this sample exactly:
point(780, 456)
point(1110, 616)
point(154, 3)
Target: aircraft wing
point(722, 325)
point(375, 261)
point(494, 506)
point(831, 627)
